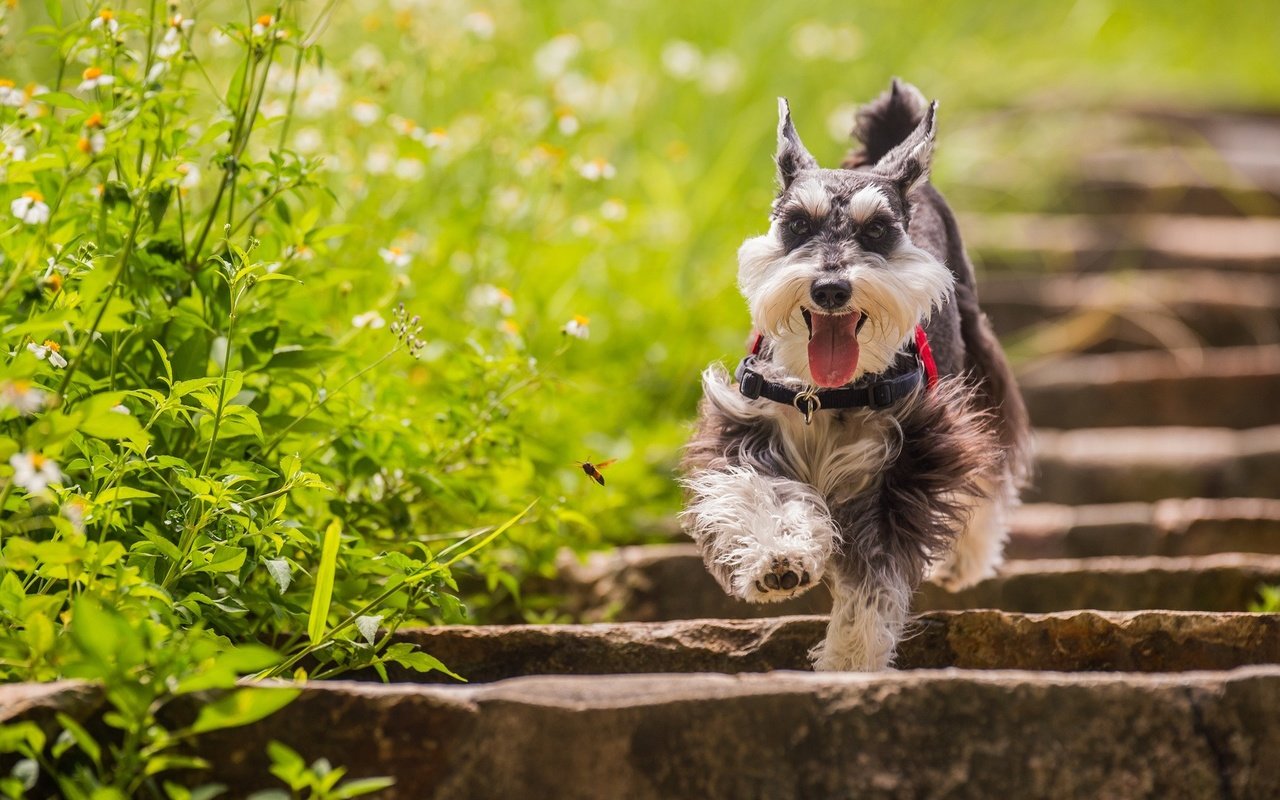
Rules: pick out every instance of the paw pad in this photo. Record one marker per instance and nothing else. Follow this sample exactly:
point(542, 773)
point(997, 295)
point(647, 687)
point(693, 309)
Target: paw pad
point(782, 578)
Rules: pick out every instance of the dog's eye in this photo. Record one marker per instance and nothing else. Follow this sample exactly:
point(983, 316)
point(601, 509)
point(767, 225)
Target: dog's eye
point(874, 230)
point(799, 227)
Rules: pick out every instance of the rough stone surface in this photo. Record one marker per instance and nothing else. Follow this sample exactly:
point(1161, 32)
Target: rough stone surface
point(1066, 243)
point(950, 733)
point(1224, 387)
point(1152, 309)
point(1171, 527)
point(1148, 641)
point(1223, 582)
point(1118, 465)
point(1182, 180)
point(652, 583)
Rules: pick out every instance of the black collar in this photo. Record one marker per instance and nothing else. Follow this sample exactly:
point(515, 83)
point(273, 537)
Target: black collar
point(876, 394)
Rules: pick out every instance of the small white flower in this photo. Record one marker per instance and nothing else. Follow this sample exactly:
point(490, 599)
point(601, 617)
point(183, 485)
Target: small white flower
point(321, 92)
point(75, 510)
point(263, 24)
point(170, 44)
point(50, 350)
point(34, 472)
point(121, 408)
point(681, 59)
point(578, 327)
point(720, 73)
point(567, 123)
point(410, 169)
point(489, 296)
point(30, 208)
point(308, 140)
point(93, 77)
point(10, 94)
point(613, 210)
point(365, 112)
point(597, 169)
point(434, 138)
point(395, 256)
point(92, 144)
point(552, 59)
point(190, 176)
point(379, 160)
point(22, 396)
point(369, 319)
point(300, 252)
point(479, 24)
point(106, 20)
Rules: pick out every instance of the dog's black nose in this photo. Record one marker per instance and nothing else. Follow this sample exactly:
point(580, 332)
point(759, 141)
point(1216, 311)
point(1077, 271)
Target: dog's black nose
point(831, 294)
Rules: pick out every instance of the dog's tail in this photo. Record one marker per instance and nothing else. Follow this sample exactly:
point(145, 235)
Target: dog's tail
point(886, 122)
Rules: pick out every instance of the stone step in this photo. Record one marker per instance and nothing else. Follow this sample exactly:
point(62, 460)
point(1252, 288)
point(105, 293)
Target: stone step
point(1075, 243)
point(1234, 387)
point(1178, 180)
point(1145, 641)
point(647, 583)
point(1165, 528)
point(1118, 465)
point(1135, 309)
point(784, 735)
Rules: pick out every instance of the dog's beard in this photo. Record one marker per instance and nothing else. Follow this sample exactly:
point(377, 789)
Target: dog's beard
point(891, 296)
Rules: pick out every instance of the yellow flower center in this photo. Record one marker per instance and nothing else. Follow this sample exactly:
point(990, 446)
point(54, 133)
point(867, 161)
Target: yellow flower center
point(84, 145)
point(54, 282)
point(34, 196)
point(5, 83)
point(106, 14)
point(92, 73)
point(581, 320)
point(94, 121)
point(20, 386)
point(38, 461)
point(52, 345)
point(266, 20)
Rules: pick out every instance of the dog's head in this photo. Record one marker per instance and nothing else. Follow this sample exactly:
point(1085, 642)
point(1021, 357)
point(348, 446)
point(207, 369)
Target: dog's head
point(836, 283)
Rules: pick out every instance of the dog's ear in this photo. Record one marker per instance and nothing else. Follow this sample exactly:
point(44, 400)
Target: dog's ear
point(792, 157)
point(907, 165)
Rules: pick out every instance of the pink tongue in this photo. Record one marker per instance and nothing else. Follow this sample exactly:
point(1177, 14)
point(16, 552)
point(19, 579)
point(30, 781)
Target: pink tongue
point(833, 348)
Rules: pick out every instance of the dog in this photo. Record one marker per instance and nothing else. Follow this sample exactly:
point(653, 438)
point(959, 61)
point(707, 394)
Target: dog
point(875, 435)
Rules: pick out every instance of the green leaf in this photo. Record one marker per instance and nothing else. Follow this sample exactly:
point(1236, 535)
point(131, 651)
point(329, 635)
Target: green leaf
point(118, 493)
point(18, 735)
point(225, 558)
point(76, 732)
point(324, 581)
point(54, 10)
point(360, 786)
point(242, 707)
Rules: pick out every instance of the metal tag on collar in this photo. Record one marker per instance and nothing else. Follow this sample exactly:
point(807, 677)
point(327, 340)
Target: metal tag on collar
point(807, 402)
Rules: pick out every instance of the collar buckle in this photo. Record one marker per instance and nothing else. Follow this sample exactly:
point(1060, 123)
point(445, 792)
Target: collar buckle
point(880, 395)
point(807, 402)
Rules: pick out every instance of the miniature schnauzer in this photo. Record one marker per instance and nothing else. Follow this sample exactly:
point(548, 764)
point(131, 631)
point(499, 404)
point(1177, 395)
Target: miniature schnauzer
point(875, 434)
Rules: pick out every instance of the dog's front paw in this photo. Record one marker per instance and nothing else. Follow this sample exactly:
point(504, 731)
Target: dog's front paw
point(776, 577)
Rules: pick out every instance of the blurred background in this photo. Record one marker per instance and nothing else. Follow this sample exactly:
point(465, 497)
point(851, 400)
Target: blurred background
point(559, 189)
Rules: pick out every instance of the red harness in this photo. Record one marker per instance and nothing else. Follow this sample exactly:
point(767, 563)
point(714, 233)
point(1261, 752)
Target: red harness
point(756, 341)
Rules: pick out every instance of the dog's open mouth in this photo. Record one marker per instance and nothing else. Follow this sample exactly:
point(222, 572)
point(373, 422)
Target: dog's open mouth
point(833, 346)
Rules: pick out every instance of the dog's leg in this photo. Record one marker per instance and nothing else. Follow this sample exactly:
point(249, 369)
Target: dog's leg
point(764, 538)
point(867, 619)
point(979, 548)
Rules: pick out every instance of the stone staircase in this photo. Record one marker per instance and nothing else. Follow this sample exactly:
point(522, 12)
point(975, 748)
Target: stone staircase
point(1111, 657)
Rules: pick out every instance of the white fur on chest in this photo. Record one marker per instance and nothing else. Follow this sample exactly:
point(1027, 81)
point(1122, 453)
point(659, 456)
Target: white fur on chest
point(840, 454)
